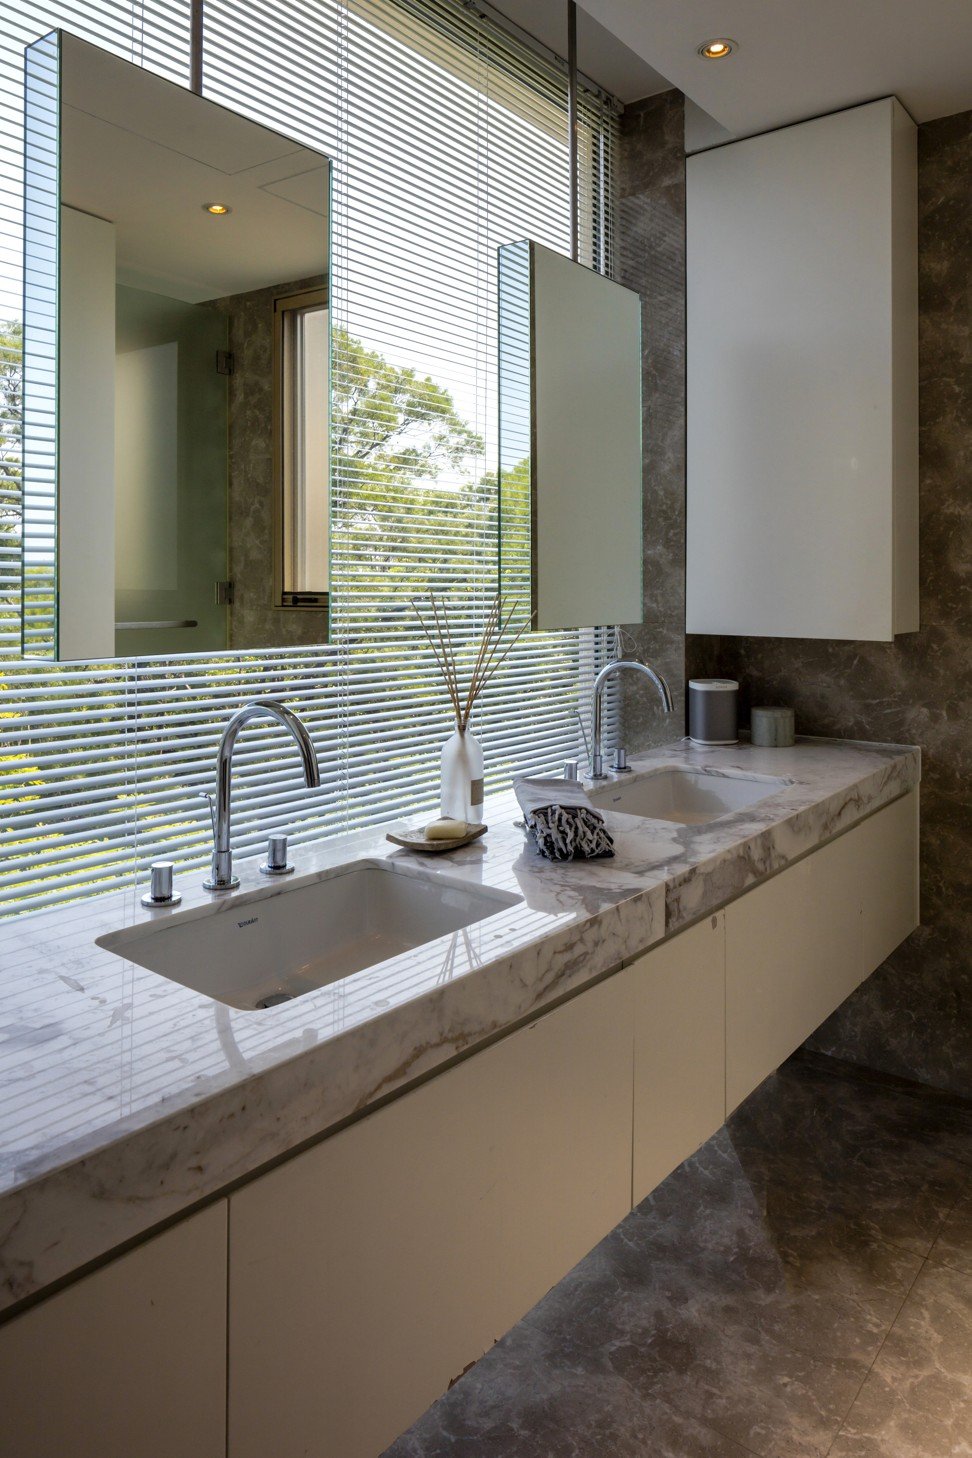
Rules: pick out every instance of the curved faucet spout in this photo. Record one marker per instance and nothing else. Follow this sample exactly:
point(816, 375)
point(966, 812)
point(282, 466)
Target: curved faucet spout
point(597, 714)
point(221, 877)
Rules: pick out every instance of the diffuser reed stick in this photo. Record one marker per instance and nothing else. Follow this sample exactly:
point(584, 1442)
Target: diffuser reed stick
point(494, 646)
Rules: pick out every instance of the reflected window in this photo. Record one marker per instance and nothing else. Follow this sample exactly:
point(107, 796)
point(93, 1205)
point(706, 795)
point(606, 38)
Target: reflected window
point(301, 448)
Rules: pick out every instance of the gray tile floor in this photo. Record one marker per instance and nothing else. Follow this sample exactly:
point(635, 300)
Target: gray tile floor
point(801, 1287)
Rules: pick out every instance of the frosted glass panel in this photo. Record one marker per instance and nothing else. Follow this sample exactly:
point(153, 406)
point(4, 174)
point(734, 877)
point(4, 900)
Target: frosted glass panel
point(146, 468)
point(171, 422)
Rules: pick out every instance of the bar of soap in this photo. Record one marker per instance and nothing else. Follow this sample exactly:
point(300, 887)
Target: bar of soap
point(445, 830)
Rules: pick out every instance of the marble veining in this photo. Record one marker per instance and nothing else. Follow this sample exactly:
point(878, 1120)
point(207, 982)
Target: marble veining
point(127, 1098)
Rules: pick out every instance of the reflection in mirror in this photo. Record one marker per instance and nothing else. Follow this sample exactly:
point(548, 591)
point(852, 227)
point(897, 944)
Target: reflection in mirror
point(570, 441)
point(301, 449)
point(175, 495)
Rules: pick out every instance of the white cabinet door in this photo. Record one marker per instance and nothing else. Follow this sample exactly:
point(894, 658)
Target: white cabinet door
point(130, 1362)
point(793, 953)
point(802, 342)
point(369, 1271)
point(679, 1054)
point(562, 1092)
point(887, 871)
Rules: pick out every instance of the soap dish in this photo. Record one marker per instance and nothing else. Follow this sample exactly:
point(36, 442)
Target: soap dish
point(414, 840)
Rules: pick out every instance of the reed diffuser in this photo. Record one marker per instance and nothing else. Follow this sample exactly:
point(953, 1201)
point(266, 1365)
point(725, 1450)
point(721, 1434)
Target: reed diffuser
point(461, 795)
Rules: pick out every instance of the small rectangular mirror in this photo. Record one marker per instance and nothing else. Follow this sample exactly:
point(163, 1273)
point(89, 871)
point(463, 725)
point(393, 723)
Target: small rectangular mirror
point(570, 441)
point(176, 369)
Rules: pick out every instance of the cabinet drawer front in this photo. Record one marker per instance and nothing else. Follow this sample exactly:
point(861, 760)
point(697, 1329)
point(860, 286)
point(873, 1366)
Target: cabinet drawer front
point(887, 866)
point(369, 1271)
point(793, 953)
point(130, 1362)
point(679, 1063)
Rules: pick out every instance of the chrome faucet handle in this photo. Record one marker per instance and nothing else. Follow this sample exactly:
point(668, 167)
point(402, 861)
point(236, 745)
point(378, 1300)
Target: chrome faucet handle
point(620, 765)
point(160, 892)
point(587, 746)
point(276, 863)
point(220, 876)
point(570, 769)
point(210, 799)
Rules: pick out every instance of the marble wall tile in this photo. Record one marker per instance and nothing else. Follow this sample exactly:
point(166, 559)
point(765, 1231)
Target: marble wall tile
point(652, 260)
point(914, 1016)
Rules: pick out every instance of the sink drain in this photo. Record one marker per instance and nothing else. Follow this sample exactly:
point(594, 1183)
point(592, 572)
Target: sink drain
point(275, 999)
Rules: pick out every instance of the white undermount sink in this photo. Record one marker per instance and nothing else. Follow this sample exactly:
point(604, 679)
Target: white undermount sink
point(685, 795)
point(272, 945)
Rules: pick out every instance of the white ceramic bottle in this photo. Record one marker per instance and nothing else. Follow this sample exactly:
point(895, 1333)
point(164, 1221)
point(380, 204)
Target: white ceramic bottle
point(462, 778)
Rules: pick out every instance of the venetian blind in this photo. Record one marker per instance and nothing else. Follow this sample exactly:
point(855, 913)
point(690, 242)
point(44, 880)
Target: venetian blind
point(448, 138)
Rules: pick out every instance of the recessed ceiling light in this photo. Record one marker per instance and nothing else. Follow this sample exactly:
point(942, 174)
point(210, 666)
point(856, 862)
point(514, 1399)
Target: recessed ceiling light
point(218, 210)
point(717, 50)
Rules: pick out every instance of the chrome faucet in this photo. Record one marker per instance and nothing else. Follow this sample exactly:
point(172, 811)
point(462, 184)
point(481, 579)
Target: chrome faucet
point(620, 765)
point(221, 876)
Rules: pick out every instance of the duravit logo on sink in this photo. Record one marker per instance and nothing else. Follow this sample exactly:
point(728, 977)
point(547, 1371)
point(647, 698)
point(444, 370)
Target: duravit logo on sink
point(250, 921)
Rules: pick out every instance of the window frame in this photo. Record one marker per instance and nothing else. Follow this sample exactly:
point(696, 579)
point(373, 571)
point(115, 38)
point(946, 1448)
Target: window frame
point(285, 449)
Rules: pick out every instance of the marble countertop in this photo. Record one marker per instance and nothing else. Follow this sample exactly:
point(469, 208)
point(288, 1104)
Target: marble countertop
point(127, 1098)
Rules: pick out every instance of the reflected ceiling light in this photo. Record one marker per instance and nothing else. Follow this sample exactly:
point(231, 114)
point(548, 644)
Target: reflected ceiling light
point(717, 50)
point(218, 210)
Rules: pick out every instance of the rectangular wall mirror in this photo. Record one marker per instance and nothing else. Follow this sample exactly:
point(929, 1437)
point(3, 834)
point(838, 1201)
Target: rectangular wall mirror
point(176, 369)
point(570, 440)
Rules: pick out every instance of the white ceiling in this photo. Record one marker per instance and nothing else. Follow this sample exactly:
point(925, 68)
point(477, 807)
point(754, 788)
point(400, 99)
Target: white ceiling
point(796, 58)
point(600, 55)
point(148, 155)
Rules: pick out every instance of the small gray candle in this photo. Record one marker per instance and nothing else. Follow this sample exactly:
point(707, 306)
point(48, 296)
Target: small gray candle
point(771, 728)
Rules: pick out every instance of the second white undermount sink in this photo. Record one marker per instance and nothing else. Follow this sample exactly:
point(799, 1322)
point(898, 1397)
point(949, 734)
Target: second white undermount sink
point(270, 946)
point(685, 795)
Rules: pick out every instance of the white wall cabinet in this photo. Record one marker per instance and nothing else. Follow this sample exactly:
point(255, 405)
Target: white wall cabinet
point(886, 869)
point(130, 1361)
point(679, 1050)
point(367, 1272)
point(802, 320)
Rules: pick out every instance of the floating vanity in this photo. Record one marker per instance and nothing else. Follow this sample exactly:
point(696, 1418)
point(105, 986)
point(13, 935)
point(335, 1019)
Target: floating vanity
point(329, 1206)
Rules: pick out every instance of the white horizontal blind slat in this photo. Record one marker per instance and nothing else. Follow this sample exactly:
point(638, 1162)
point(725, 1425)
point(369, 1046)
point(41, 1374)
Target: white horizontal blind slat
point(448, 138)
